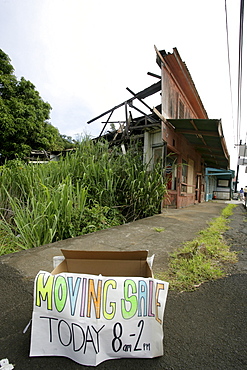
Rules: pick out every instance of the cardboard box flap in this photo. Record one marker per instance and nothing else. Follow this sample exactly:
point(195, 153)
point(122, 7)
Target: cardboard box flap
point(105, 255)
point(106, 263)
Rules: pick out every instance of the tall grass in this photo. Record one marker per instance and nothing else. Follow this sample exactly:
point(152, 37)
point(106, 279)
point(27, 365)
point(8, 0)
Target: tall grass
point(93, 188)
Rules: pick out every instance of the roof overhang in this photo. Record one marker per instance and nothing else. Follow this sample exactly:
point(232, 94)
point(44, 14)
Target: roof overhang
point(206, 136)
point(223, 174)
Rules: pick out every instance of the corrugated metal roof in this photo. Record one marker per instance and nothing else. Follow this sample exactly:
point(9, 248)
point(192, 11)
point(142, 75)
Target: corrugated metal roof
point(207, 138)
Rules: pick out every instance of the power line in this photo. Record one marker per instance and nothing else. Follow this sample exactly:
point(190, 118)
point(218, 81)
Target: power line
point(236, 129)
point(240, 59)
point(229, 71)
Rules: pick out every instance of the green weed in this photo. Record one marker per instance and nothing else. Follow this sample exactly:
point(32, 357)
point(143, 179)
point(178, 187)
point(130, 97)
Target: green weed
point(93, 188)
point(159, 229)
point(201, 259)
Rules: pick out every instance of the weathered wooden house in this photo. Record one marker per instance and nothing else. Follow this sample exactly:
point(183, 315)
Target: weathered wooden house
point(178, 133)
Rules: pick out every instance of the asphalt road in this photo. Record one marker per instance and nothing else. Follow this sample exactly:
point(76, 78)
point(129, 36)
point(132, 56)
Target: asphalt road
point(205, 329)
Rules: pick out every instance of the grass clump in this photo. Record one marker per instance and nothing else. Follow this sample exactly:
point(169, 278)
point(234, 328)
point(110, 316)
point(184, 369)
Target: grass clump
point(93, 188)
point(202, 259)
point(159, 229)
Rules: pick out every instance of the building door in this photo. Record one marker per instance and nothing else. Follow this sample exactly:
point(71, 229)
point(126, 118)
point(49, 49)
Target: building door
point(198, 188)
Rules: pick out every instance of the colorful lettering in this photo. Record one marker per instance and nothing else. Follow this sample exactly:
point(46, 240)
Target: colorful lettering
point(142, 297)
point(73, 293)
point(150, 303)
point(96, 298)
point(83, 297)
point(111, 314)
point(44, 290)
point(131, 300)
point(60, 293)
point(159, 287)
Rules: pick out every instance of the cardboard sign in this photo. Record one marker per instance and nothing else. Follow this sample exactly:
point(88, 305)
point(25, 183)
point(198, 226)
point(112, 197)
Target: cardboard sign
point(90, 318)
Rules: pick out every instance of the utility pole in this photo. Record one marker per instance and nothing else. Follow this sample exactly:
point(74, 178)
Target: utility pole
point(236, 182)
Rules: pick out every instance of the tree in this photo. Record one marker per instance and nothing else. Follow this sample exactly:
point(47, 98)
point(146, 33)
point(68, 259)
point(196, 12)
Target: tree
point(68, 142)
point(23, 116)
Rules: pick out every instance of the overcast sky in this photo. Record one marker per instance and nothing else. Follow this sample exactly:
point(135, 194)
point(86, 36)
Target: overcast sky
point(82, 54)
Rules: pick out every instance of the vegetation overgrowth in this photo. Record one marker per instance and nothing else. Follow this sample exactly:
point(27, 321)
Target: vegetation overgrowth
point(24, 118)
point(203, 258)
point(91, 189)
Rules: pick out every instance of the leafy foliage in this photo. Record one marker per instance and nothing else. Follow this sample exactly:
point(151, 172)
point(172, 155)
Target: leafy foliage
point(24, 116)
point(90, 189)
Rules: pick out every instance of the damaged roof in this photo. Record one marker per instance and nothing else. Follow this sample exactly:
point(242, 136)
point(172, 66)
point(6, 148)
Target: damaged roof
point(204, 134)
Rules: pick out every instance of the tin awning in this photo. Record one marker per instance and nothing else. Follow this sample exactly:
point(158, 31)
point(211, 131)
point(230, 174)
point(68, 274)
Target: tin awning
point(206, 136)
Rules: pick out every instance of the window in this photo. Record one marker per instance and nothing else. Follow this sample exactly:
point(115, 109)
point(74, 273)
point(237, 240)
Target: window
point(190, 177)
point(223, 183)
point(171, 171)
point(184, 176)
point(187, 185)
point(157, 155)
